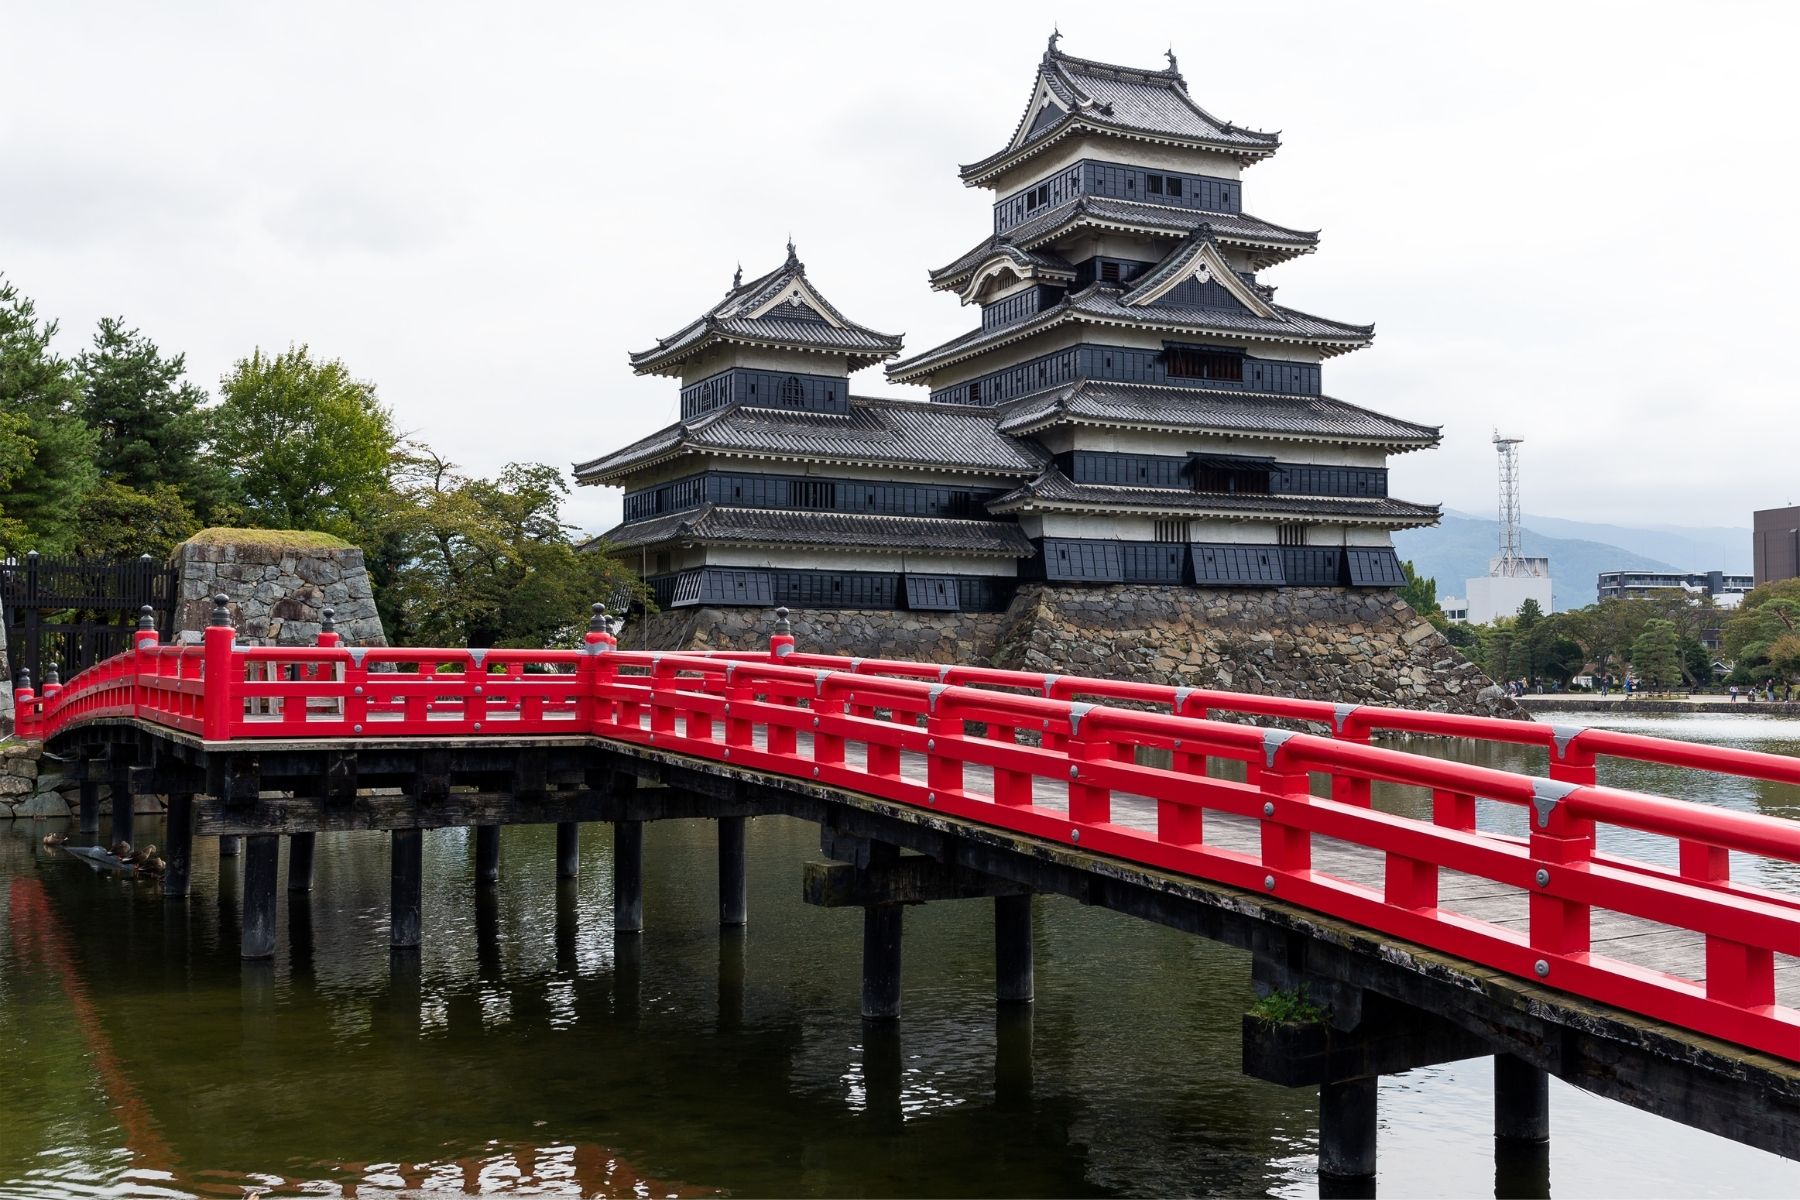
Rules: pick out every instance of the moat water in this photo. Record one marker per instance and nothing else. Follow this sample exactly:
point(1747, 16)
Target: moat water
point(525, 1051)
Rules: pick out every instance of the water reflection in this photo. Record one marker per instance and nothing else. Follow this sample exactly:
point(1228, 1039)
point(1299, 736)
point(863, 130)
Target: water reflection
point(523, 1047)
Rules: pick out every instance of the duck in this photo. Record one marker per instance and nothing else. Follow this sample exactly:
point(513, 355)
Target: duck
point(153, 866)
point(55, 839)
point(121, 849)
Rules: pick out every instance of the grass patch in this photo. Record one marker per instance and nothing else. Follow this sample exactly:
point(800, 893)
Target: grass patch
point(275, 539)
point(1288, 1008)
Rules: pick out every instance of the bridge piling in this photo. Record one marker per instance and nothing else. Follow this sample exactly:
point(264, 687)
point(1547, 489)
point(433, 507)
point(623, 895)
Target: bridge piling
point(568, 849)
point(124, 810)
point(487, 855)
point(1013, 964)
point(300, 861)
point(1347, 1112)
point(1521, 1101)
point(229, 845)
point(261, 867)
point(179, 853)
point(628, 877)
point(881, 961)
point(406, 887)
point(734, 898)
point(90, 806)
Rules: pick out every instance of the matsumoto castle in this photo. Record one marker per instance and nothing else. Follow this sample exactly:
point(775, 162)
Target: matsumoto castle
point(1133, 406)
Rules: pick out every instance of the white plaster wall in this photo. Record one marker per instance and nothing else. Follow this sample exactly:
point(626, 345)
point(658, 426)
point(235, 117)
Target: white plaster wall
point(721, 358)
point(1111, 335)
point(695, 463)
point(1127, 441)
point(853, 560)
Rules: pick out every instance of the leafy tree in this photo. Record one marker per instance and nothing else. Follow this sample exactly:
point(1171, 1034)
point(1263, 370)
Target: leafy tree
point(16, 451)
point(149, 418)
point(118, 521)
point(38, 386)
point(485, 562)
point(1420, 593)
point(1784, 657)
point(307, 445)
point(1656, 654)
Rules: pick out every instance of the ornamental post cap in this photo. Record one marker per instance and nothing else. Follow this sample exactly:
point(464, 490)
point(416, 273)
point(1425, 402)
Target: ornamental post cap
point(52, 674)
point(146, 618)
point(781, 621)
point(221, 613)
point(597, 617)
point(328, 620)
point(24, 683)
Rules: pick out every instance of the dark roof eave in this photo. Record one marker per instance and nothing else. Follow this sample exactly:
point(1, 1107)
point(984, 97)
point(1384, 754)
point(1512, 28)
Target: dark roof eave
point(653, 362)
point(977, 173)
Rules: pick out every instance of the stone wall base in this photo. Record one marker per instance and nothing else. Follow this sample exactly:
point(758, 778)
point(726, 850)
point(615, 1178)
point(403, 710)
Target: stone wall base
point(1334, 644)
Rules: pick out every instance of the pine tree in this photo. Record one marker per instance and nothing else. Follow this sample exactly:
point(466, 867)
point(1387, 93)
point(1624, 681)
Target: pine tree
point(39, 501)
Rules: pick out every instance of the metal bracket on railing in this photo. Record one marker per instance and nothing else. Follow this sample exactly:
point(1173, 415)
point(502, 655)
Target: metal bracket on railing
point(595, 647)
point(356, 653)
point(943, 673)
point(1546, 794)
point(1181, 699)
point(931, 697)
point(783, 649)
point(730, 669)
point(1562, 735)
point(1272, 742)
point(856, 664)
point(1076, 712)
point(819, 678)
point(478, 656)
point(1050, 682)
point(1341, 712)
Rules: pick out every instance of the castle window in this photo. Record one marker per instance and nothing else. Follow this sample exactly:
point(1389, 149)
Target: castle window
point(1109, 272)
point(1154, 185)
point(1290, 535)
point(975, 392)
point(1183, 362)
point(1174, 186)
point(1175, 530)
point(793, 392)
point(819, 496)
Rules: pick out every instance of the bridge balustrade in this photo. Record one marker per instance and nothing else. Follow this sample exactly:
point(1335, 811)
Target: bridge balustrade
point(1043, 756)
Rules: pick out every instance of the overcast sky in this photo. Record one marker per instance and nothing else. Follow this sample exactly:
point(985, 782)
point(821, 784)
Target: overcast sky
point(1574, 221)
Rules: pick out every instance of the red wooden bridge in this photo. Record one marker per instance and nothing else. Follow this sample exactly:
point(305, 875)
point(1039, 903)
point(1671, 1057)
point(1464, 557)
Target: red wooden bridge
point(1115, 790)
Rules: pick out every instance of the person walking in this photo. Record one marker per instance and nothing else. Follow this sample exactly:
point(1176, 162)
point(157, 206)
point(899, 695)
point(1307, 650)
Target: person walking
point(1734, 693)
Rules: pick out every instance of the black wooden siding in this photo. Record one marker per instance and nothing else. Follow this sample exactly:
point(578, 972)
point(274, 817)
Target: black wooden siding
point(752, 490)
point(735, 586)
point(1090, 177)
point(1128, 366)
point(1172, 471)
point(1018, 306)
point(1211, 564)
point(766, 389)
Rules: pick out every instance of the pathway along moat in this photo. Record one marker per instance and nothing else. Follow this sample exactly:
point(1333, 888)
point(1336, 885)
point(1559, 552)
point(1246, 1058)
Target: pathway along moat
point(525, 1051)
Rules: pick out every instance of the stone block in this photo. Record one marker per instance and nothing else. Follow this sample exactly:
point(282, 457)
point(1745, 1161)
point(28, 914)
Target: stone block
point(41, 805)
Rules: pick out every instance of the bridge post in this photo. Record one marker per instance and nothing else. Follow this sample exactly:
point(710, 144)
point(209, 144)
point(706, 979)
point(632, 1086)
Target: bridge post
point(628, 877)
point(1521, 1100)
point(1013, 963)
point(229, 845)
point(124, 805)
point(734, 895)
point(261, 866)
point(568, 849)
point(90, 806)
point(1347, 1128)
point(405, 887)
point(300, 861)
point(487, 855)
point(179, 854)
point(881, 961)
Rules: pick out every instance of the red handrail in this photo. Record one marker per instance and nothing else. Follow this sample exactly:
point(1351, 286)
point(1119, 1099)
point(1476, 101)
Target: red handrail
point(1036, 754)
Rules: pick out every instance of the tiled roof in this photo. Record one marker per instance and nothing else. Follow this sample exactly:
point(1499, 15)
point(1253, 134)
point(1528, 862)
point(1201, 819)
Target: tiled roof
point(874, 431)
point(1053, 489)
point(1131, 100)
point(827, 331)
point(1200, 410)
point(1100, 304)
point(1228, 229)
point(783, 527)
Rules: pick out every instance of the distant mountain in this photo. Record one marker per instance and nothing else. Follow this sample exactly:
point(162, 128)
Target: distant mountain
point(1461, 546)
point(1690, 548)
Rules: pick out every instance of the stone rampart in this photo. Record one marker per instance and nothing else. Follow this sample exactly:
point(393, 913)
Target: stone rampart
point(278, 583)
point(1359, 647)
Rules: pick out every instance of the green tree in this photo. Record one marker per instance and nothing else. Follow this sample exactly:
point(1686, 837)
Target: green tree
point(118, 521)
point(1656, 654)
point(38, 387)
point(1420, 593)
point(307, 445)
point(485, 562)
point(16, 450)
point(150, 420)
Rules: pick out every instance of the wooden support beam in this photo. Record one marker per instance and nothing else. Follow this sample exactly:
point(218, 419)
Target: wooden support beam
point(124, 808)
point(234, 779)
point(406, 888)
point(1388, 1038)
point(568, 849)
point(90, 806)
point(881, 962)
point(628, 877)
point(912, 879)
point(300, 861)
point(1347, 1128)
point(487, 855)
point(165, 778)
point(229, 845)
point(178, 854)
point(734, 895)
point(262, 864)
point(1521, 1100)
point(274, 812)
point(1014, 981)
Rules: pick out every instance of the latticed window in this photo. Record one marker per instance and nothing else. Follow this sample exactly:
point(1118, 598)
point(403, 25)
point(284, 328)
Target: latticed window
point(1185, 362)
point(793, 392)
point(1291, 535)
point(1173, 530)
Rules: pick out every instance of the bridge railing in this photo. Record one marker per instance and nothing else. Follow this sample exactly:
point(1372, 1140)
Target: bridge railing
point(1041, 756)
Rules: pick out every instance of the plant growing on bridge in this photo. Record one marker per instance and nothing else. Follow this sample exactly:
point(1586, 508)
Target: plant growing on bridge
point(1288, 1007)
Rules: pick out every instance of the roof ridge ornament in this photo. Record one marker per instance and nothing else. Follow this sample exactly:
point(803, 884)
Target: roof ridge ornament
point(1055, 37)
point(793, 259)
point(1174, 67)
point(737, 278)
